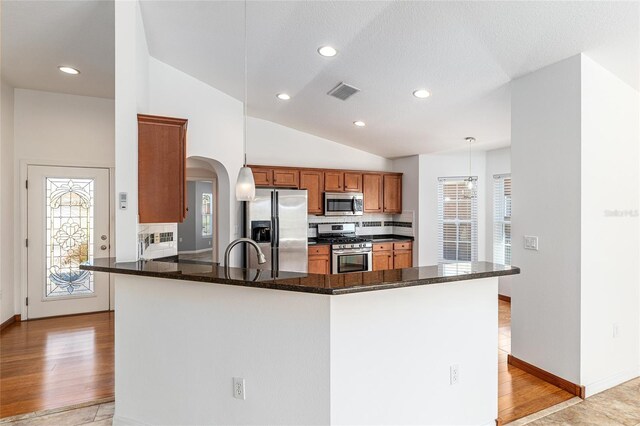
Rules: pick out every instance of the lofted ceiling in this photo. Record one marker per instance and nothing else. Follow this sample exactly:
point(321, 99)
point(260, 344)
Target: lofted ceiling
point(465, 53)
point(39, 36)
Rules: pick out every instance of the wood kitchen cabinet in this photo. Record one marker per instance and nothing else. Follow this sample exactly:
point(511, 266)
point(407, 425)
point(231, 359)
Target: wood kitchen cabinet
point(162, 185)
point(372, 192)
point(402, 255)
point(288, 178)
point(392, 194)
point(319, 259)
point(262, 176)
point(388, 256)
point(352, 182)
point(333, 181)
point(313, 182)
point(382, 260)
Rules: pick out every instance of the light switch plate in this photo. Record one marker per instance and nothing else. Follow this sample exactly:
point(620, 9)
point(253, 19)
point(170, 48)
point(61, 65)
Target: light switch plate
point(530, 242)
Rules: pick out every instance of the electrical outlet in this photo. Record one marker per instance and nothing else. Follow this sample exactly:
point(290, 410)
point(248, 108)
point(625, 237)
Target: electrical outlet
point(454, 374)
point(530, 242)
point(238, 388)
point(616, 330)
point(179, 239)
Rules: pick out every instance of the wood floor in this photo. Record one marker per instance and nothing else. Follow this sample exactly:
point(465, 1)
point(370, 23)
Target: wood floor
point(520, 393)
point(58, 362)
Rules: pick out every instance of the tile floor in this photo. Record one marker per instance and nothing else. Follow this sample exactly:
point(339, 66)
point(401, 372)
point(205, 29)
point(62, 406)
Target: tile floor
point(614, 407)
point(94, 415)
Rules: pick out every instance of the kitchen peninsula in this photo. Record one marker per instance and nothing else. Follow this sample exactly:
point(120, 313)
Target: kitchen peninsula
point(374, 347)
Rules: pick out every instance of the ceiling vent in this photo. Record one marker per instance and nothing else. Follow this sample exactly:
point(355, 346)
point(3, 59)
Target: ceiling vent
point(343, 91)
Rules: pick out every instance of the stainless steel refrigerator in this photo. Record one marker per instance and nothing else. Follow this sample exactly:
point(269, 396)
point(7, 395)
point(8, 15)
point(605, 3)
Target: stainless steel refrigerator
point(277, 221)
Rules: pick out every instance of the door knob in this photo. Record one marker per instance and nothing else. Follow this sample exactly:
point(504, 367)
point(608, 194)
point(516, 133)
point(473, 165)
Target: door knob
point(103, 237)
point(103, 247)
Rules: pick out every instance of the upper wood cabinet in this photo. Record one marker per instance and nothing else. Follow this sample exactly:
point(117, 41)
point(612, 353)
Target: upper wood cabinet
point(313, 182)
point(262, 176)
point(333, 181)
point(382, 190)
point(392, 194)
point(352, 182)
point(289, 178)
point(372, 191)
point(162, 186)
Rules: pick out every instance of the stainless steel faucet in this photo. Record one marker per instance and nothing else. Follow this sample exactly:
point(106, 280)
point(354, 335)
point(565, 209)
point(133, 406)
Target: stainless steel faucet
point(232, 244)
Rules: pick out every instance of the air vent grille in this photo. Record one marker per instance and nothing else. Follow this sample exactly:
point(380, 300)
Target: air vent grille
point(343, 91)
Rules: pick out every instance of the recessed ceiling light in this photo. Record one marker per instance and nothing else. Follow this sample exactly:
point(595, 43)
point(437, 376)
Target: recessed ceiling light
point(359, 123)
point(421, 93)
point(68, 70)
point(283, 96)
point(327, 51)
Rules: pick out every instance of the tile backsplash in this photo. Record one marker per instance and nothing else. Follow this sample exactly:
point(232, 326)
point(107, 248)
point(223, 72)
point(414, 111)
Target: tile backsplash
point(369, 223)
point(157, 240)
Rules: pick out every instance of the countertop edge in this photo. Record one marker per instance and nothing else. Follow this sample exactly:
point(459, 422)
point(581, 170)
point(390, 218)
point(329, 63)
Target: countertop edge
point(272, 285)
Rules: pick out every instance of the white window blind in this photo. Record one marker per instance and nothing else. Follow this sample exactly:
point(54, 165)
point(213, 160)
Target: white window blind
point(457, 219)
point(502, 219)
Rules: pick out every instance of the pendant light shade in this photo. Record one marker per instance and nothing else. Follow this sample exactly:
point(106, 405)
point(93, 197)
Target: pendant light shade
point(245, 186)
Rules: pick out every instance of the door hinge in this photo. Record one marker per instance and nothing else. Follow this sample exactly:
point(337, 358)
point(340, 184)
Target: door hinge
point(26, 184)
point(26, 242)
point(26, 301)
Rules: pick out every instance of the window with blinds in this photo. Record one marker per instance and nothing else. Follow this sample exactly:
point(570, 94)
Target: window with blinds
point(502, 219)
point(457, 219)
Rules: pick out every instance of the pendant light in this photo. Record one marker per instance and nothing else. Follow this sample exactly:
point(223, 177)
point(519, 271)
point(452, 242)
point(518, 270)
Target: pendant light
point(470, 178)
point(246, 185)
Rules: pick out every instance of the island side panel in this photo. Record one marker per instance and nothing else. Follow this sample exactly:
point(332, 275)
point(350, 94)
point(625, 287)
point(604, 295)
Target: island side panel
point(391, 353)
point(180, 343)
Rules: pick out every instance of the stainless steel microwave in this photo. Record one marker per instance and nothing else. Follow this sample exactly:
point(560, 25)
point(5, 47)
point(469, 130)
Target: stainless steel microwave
point(343, 204)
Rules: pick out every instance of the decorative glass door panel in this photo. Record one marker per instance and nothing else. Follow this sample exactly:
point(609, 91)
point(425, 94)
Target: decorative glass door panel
point(67, 225)
point(69, 237)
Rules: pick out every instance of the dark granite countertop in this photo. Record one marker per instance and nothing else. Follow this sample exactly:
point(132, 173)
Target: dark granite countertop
point(308, 283)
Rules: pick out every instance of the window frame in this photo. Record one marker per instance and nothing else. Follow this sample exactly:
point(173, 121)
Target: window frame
point(206, 214)
point(459, 181)
point(501, 211)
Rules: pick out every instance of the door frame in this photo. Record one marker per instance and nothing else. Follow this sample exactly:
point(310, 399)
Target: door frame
point(21, 216)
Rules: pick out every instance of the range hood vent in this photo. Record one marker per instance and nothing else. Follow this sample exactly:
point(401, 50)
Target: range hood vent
point(343, 91)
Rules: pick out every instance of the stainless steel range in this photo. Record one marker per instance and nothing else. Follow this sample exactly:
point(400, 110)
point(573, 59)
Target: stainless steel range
point(349, 253)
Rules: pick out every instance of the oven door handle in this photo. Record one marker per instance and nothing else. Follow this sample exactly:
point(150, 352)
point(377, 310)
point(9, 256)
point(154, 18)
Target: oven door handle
point(351, 251)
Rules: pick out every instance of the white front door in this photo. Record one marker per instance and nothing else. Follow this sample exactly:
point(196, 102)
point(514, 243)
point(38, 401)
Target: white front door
point(67, 224)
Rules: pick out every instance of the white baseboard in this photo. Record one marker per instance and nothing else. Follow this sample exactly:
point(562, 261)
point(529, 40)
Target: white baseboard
point(611, 381)
point(123, 421)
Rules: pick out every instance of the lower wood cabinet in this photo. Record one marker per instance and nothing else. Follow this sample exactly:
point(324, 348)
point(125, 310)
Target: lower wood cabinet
point(319, 259)
point(382, 260)
point(390, 255)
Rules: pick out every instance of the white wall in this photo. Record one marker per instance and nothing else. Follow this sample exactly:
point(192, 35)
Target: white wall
point(55, 129)
point(214, 134)
point(432, 167)
point(498, 162)
point(610, 287)
point(273, 144)
point(131, 88)
point(7, 226)
point(366, 358)
point(574, 157)
point(377, 377)
point(545, 171)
